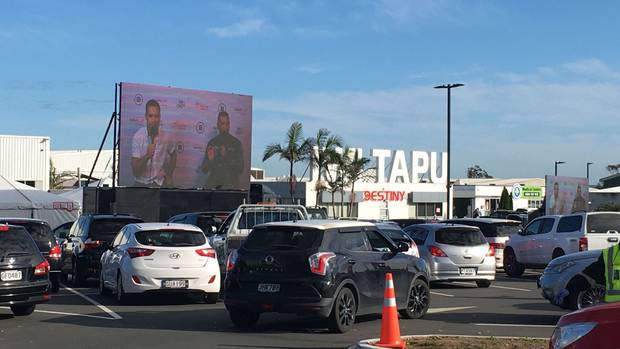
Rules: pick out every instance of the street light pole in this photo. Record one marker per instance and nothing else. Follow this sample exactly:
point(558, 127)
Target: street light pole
point(448, 87)
point(588, 171)
point(556, 166)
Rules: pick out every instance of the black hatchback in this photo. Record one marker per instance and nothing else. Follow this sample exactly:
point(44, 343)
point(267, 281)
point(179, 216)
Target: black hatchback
point(333, 269)
point(24, 272)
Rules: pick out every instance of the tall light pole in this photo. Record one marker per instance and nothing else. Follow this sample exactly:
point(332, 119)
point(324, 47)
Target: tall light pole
point(588, 171)
point(448, 87)
point(556, 166)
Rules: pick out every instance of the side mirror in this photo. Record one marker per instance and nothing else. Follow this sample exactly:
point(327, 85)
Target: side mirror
point(521, 232)
point(402, 246)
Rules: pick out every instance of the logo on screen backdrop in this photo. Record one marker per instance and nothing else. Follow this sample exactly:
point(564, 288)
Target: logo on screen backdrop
point(200, 127)
point(180, 104)
point(138, 99)
point(180, 147)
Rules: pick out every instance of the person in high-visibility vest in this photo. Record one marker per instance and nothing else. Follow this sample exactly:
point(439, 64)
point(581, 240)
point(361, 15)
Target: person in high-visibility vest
point(606, 271)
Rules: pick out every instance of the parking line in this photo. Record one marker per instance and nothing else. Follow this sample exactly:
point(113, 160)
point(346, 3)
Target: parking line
point(445, 310)
point(68, 314)
point(95, 303)
point(512, 288)
point(516, 325)
point(442, 294)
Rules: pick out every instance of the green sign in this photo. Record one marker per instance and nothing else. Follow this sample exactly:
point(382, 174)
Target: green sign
point(531, 192)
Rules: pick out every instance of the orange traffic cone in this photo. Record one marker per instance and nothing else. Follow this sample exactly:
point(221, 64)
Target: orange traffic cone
point(390, 330)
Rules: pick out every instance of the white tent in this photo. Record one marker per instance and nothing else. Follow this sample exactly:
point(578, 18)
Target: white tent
point(20, 200)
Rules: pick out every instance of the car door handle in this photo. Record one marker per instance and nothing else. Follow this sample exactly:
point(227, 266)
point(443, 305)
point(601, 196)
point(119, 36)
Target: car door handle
point(612, 239)
point(351, 261)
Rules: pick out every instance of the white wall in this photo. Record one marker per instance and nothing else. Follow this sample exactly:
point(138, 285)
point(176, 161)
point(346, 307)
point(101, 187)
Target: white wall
point(26, 158)
point(70, 160)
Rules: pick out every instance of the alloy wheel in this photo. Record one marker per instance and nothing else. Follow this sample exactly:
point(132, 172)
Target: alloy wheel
point(418, 299)
point(590, 297)
point(346, 309)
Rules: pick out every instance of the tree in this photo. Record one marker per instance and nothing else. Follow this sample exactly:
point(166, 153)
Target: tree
point(476, 171)
point(323, 149)
point(613, 169)
point(337, 178)
point(55, 178)
point(504, 200)
point(296, 149)
point(355, 169)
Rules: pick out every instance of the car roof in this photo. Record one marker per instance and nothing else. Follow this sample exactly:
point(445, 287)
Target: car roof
point(109, 215)
point(18, 219)
point(322, 224)
point(163, 226)
point(485, 220)
point(388, 225)
point(437, 226)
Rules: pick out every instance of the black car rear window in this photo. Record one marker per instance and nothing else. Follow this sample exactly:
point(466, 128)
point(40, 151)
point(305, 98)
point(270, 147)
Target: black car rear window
point(460, 237)
point(170, 238)
point(283, 238)
point(106, 229)
point(16, 242)
point(41, 233)
point(602, 222)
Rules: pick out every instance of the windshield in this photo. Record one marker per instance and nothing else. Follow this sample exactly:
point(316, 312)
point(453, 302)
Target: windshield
point(396, 235)
point(15, 241)
point(602, 222)
point(283, 238)
point(249, 219)
point(106, 229)
point(170, 238)
point(41, 233)
point(460, 237)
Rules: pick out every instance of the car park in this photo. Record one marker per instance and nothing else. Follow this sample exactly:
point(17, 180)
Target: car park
point(88, 239)
point(564, 284)
point(590, 328)
point(396, 234)
point(549, 237)
point(24, 272)
point(496, 231)
point(148, 258)
point(43, 236)
point(454, 252)
point(332, 269)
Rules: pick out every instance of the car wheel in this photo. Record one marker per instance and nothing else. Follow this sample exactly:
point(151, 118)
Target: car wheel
point(511, 266)
point(343, 313)
point(418, 302)
point(243, 318)
point(22, 310)
point(102, 290)
point(77, 275)
point(581, 296)
point(211, 298)
point(121, 296)
point(483, 283)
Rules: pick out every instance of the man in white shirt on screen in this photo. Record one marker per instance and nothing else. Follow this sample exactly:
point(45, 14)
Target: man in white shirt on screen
point(153, 156)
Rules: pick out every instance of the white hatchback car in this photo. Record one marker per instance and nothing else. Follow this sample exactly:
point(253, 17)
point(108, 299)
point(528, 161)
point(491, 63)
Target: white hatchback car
point(159, 257)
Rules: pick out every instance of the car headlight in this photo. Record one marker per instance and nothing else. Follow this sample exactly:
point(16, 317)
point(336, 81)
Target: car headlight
point(566, 335)
point(560, 267)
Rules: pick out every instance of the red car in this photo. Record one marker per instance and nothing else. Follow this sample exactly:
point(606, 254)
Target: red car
point(594, 327)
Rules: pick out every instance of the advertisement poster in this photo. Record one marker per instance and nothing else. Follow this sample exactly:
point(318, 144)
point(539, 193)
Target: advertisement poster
point(565, 195)
point(180, 138)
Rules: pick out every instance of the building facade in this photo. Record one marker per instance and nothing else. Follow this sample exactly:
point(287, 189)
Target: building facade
point(26, 159)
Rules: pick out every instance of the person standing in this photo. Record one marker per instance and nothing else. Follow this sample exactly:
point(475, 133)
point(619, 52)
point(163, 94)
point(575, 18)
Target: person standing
point(579, 204)
point(153, 156)
point(606, 271)
point(223, 160)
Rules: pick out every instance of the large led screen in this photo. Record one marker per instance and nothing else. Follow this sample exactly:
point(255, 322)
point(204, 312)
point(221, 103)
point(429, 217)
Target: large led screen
point(565, 195)
point(180, 138)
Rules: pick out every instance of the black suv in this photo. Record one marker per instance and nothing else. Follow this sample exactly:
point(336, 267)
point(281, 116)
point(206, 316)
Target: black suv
point(333, 269)
point(24, 272)
point(88, 238)
point(43, 236)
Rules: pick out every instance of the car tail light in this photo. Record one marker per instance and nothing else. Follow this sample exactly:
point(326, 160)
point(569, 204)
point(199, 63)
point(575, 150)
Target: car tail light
point(207, 252)
point(55, 252)
point(42, 268)
point(318, 262)
point(497, 245)
point(436, 251)
point(93, 244)
point(4, 227)
point(583, 244)
point(231, 261)
point(139, 252)
point(491, 251)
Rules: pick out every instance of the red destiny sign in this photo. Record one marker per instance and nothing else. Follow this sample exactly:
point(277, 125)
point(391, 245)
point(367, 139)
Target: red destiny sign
point(384, 195)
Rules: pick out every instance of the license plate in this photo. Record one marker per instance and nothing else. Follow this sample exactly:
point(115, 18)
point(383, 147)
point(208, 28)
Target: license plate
point(269, 288)
point(11, 275)
point(467, 271)
point(174, 284)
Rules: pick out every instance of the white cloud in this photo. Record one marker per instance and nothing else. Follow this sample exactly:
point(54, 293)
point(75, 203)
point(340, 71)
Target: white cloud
point(309, 69)
point(85, 122)
point(242, 28)
point(591, 68)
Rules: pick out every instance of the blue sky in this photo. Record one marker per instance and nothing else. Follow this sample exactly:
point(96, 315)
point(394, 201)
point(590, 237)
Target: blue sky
point(542, 78)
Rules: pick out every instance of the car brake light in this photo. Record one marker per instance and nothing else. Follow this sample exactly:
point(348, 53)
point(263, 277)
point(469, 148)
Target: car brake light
point(4, 227)
point(231, 261)
point(42, 268)
point(497, 245)
point(93, 244)
point(436, 251)
point(318, 262)
point(491, 251)
point(139, 252)
point(55, 252)
point(207, 252)
point(583, 244)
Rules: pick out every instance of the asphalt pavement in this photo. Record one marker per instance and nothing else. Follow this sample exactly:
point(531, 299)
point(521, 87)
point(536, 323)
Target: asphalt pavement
point(81, 318)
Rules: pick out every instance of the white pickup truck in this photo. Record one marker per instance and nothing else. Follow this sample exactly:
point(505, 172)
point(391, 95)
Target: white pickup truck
point(548, 237)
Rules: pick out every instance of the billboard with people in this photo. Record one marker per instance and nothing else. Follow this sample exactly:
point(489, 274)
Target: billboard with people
point(565, 195)
point(180, 138)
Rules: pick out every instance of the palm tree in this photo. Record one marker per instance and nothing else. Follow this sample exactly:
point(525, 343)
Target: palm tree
point(356, 169)
point(325, 144)
point(337, 179)
point(296, 149)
